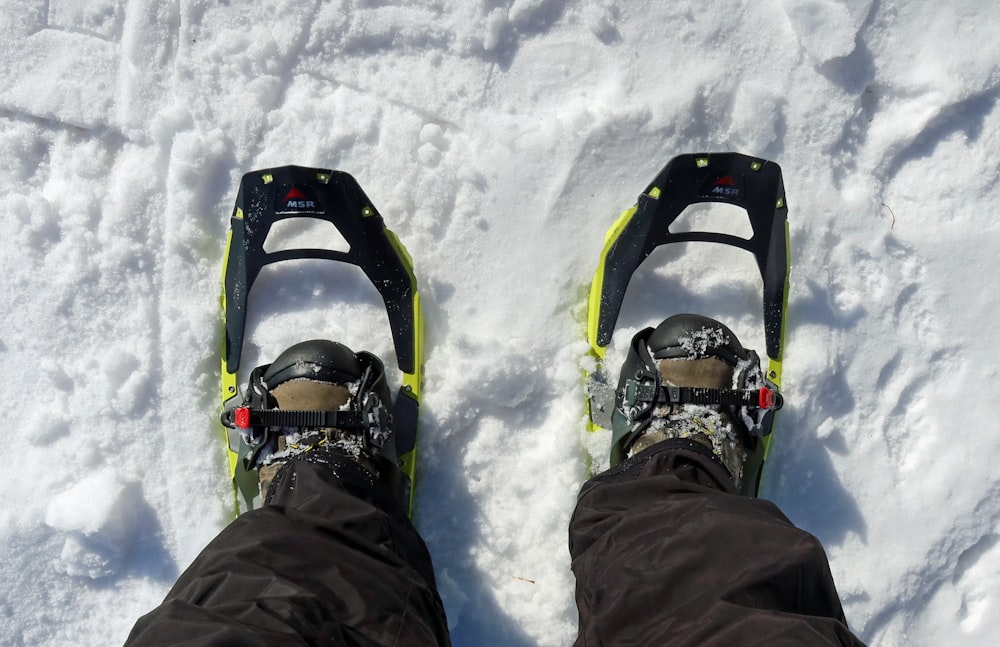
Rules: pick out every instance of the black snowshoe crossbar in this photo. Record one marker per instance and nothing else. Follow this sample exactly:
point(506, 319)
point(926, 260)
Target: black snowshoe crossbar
point(732, 178)
point(270, 195)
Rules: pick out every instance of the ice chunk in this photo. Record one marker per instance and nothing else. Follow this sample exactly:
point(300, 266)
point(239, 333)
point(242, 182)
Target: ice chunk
point(97, 516)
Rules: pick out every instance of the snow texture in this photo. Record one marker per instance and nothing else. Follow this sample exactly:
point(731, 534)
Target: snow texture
point(697, 342)
point(500, 140)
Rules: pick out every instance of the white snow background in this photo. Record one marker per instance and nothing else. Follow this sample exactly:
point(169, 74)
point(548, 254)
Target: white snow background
point(499, 139)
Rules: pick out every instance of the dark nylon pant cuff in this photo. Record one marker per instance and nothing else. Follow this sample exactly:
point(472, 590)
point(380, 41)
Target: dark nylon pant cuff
point(665, 554)
point(329, 560)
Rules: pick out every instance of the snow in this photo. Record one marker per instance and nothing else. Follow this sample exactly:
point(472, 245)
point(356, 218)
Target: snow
point(500, 141)
point(97, 516)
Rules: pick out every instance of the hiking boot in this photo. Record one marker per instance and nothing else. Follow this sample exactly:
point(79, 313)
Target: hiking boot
point(316, 394)
point(690, 378)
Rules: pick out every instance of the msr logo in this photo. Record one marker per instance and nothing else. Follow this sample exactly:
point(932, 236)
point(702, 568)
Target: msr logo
point(298, 198)
point(726, 186)
point(295, 199)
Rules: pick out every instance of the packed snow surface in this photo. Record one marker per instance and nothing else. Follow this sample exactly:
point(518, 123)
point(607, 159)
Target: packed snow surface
point(500, 140)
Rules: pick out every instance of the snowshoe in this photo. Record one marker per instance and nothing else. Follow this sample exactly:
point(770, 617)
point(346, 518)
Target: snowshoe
point(756, 186)
point(265, 197)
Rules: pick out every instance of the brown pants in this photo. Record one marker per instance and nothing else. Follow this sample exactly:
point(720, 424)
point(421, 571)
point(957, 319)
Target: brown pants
point(663, 551)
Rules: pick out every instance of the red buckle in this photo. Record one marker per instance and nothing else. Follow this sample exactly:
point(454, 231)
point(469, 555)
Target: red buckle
point(241, 417)
point(765, 398)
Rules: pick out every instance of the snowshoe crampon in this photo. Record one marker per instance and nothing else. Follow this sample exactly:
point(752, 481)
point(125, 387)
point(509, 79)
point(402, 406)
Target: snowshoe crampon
point(753, 184)
point(271, 195)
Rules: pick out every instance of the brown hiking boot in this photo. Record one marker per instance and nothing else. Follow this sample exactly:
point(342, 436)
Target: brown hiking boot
point(306, 394)
point(690, 378)
point(315, 394)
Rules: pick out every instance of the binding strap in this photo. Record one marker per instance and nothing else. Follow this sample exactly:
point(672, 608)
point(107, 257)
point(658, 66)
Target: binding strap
point(248, 418)
point(639, 393)
point(260, 422)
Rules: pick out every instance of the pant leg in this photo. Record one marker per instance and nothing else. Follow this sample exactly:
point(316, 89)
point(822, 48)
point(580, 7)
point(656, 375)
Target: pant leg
point(330, 559)
point(665, 552)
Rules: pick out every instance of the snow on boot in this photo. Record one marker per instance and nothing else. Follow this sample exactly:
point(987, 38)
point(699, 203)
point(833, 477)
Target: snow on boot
point(690, 378)
point(316, 394)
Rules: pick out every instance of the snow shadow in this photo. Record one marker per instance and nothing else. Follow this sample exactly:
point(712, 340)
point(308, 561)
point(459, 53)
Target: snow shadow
point(528, 20)
point(800, 478)
point(448, 516)
point(800, 475)
point(148, 556)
